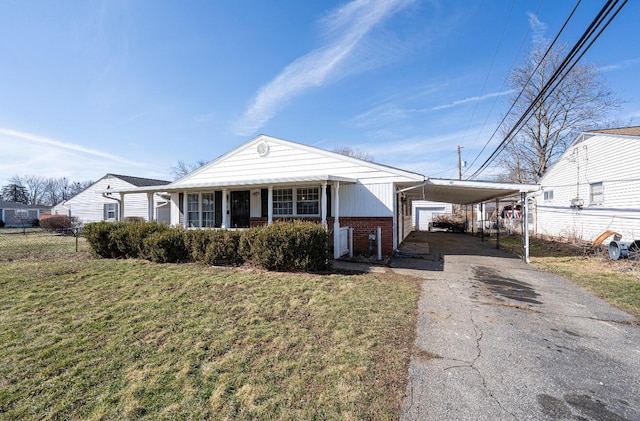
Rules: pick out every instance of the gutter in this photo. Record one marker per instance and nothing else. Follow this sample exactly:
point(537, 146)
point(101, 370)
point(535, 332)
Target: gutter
point(413, 187)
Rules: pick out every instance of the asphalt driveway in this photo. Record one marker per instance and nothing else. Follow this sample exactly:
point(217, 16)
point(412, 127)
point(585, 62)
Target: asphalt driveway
point(499, 340)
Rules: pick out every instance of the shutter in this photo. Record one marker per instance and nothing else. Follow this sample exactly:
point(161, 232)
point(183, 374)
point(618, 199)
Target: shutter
point(329, 211)
point(217, 205)
point(104, 212)
point(264, 199)
point(117, 210)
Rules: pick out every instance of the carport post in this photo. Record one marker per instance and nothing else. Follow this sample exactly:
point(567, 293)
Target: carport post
point(525, 227)
point(482, 221)
point(497, 225)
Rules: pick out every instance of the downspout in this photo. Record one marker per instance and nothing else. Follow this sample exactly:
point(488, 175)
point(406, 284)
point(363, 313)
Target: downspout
point(160, 206)
point(107, 196)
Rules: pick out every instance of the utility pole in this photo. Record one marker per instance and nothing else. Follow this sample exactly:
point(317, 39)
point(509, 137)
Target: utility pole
point(459, 163)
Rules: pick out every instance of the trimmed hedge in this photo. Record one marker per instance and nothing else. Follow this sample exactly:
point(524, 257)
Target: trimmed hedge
point(166, 247)
point(287, 246)
point(282, 246)
point(120, 239)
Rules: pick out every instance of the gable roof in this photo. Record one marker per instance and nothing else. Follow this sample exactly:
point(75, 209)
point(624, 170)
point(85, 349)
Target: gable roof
point(138, 181)
point(624, 131)
point(4, 204)
point(286, 161)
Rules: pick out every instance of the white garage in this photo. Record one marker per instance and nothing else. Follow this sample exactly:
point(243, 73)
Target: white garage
point(423, 211)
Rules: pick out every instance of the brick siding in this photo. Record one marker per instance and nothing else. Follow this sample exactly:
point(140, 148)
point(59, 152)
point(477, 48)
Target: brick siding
point(362, 226)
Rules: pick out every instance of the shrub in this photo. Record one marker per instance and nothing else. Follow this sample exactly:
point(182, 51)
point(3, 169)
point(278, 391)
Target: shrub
point(1, 223)
point(288, 246)
point(247, 240)
point(120, 239)
point(35, 223)
point(97, 235)
point(196, 242)
point(166, 246)
point(223, 248)
point(56, 222)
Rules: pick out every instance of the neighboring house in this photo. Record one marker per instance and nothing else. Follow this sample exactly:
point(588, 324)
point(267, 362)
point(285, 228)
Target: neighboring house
point(593, 187)
point(268, 179)
point(423, 212)
point(96, 203)
point(15, 214)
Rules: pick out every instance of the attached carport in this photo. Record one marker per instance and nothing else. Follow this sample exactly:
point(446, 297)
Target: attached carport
point(468, 192)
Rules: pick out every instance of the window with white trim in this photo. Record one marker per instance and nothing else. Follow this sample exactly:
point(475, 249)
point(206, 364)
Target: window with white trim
point(596, 193)
point(548, 195)
point(301, 201)
point(283, 201)
point(308, 201)
point(110, 211)
point(208, 210)
point(193, 210)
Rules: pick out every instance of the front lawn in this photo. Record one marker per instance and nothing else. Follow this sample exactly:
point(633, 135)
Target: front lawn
point(617, 281)
point(112, 339)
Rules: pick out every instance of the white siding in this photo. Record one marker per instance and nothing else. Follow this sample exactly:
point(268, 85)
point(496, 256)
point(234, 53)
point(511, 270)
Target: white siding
point(368, 200)
point(610, 160)
point(287, 160)
point(88, 205)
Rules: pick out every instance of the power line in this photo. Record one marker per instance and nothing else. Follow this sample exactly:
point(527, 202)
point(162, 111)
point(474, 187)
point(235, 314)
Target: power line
point(560, 74)
point(504, 82)
point(515, 101)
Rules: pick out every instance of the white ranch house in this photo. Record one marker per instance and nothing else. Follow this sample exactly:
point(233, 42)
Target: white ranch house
point(97, 203)
point(268, 179)
point(593, 187)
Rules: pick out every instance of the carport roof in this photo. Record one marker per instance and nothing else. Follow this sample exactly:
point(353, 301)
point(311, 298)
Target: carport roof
point(465, 192)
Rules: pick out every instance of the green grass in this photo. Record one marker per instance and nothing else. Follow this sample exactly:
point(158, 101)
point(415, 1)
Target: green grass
point(118, 339)
point(618, 282)
point(38, 244)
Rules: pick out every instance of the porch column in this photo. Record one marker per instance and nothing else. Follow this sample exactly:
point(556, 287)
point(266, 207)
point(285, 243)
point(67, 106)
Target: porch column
point(185, 207)
point(150, 208)
point(200, 210)
point(324, 205)
point(121, 210)
point(336, 220)
point(270, 206)
point(225, 222)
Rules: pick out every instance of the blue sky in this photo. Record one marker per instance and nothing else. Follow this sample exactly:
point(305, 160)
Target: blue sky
point(131, 87)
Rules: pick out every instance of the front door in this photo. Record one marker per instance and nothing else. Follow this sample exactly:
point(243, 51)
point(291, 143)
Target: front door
point(240, 209)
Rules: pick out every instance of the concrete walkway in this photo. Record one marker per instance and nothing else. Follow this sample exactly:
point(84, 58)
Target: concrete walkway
point(499, 340)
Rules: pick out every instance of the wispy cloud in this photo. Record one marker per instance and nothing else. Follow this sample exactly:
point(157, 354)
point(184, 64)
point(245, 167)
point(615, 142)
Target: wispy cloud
point(387, 113)
point(29, 137)
point(538, 28)
point(472, 99)
point(620, 65)
point(345, 29)
point(381, 114)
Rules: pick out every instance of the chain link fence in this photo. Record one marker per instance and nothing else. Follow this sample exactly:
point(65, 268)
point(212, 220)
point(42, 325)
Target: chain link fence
point(38, 243)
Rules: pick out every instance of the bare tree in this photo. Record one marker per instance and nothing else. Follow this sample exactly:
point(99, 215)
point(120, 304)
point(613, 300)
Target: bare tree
point(354, 153)
point(181, 168)
point(48, 191)
point(582, 101)
point(35, 186)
